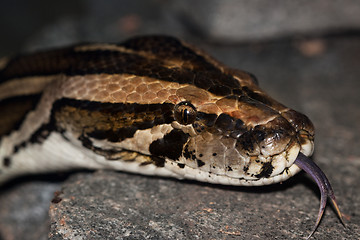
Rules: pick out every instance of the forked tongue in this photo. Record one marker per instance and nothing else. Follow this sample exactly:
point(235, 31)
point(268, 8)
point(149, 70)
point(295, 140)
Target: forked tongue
point(323, 183)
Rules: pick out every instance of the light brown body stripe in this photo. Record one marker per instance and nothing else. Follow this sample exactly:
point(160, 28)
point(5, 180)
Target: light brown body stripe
point(34, 85)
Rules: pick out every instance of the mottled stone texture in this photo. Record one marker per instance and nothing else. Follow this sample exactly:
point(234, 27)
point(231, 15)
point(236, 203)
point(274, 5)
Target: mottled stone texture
point(319, 77)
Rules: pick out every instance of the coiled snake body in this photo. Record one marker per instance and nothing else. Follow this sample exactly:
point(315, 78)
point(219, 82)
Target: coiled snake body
point(151, 105)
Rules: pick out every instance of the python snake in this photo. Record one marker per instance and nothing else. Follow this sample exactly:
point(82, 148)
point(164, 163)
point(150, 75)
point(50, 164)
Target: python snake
point(152, 105)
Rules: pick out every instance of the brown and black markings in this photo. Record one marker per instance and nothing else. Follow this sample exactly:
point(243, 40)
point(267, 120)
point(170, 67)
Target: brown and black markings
point(149, 57)
point(14, 110)
point(196, 69)
point(112, 121)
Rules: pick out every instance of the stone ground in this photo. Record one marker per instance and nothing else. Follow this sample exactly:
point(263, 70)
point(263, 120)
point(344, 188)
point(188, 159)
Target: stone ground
point(317, 75)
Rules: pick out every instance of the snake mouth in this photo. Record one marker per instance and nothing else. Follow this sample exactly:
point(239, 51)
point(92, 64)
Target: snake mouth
point(281, 166)
point(323, 183)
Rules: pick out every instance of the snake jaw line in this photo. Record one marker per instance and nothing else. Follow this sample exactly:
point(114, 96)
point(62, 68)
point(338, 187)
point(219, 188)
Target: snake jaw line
point(323, 183)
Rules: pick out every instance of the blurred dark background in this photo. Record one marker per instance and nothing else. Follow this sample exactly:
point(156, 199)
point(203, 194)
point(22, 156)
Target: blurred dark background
point(305, 53)
point(41, 23)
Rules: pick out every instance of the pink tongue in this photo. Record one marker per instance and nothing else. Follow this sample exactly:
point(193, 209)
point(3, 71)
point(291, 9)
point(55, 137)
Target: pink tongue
point(323, 183)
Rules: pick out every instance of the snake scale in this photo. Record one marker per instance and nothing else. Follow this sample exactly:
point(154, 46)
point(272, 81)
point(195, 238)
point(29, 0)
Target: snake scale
point(151, 105)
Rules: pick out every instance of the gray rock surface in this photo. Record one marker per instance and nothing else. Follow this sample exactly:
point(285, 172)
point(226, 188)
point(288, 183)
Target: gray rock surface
point(24, 210)
point(319, 77)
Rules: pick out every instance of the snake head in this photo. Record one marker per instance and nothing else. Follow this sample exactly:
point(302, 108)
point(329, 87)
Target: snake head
point(240, 139)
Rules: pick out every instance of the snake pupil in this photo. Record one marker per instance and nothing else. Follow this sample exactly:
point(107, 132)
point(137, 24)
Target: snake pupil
point(185, 113)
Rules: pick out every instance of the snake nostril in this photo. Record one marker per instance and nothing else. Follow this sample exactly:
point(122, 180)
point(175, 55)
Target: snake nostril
point(237, 133)
point(259, 135)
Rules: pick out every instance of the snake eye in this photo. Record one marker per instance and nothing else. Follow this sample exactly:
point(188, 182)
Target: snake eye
point(185, 113)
